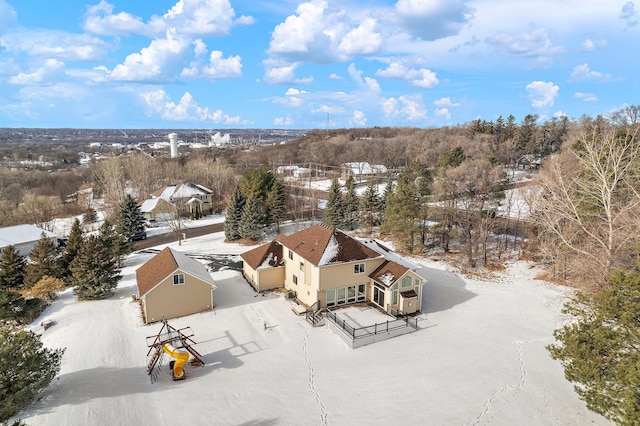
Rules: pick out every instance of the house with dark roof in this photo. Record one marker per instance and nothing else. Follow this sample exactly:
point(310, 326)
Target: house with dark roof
point(322, 265)
point(172, 285)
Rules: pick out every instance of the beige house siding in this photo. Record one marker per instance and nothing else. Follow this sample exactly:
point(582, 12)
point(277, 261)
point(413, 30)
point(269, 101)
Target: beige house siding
point(331, 277)
point(264, 279)
point(167, 300)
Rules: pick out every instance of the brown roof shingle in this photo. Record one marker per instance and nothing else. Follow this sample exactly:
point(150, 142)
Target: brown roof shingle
point(322, 244)
point(256, 257)
point(388, 273)
point(155, 270)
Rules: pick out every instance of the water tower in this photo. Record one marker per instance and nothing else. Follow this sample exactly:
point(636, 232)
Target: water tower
point(173, 142)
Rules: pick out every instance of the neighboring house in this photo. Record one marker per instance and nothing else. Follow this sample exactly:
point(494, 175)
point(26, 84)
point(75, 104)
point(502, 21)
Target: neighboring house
point(362, 170)
point(324, 265)
point(23, 237)
point(529, 161)
point(189, 198)
point(172, 285)
point(157, 209)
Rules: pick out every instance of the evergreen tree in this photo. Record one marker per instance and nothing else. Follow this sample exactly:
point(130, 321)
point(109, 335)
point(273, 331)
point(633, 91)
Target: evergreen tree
point(370, 206)
point(12, 265)
point(233, 216)
point(94, 271)
point(90, 216)
point(404, 211)
point(26, 367)
point(131, 219)
point(351, 202)
point(599, 351)
point(251, 221)
point(74, 243)
point(113, 242)
point(389, 190)
point(334, 212)
point(277, 204)
point(12, 305)
point(452, 158)
point(44, 259)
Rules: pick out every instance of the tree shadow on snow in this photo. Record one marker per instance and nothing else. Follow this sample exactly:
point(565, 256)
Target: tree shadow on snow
point(83, 386)
point(263, 422)
point(443, 290)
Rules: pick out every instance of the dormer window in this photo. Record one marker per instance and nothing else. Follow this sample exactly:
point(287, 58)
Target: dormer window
point(358, 268)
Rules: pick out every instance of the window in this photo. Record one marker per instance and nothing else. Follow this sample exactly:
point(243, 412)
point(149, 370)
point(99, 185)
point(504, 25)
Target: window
point(341, 296)
point(358, 268)
point(351, 294)
point(295, 280)
point(178, 279)
point(331, 298)
point(361, 295)
point(290, 254)
point(406, 282)
point(416, 286)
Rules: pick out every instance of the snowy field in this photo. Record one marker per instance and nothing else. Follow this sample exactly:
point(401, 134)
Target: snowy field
point(479, 358)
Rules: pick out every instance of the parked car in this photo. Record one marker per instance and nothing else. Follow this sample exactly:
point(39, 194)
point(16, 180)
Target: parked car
point(138, 235)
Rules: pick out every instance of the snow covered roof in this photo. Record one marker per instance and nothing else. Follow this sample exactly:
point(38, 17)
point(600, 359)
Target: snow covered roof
point(21, 234)
point(183, 190)
point(165, 263)
point(389, 273)
point(266, 255)
point(364, 168)
point(387, 253)
point(323, 245)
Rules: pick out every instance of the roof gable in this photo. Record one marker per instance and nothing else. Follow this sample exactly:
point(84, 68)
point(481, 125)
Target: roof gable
point(166, 263)
point(269, 253)
point(388, 273)
point(323, 245)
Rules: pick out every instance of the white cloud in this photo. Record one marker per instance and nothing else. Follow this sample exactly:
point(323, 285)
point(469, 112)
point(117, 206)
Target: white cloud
point(542, 94)
point(409, 108)
point(443, 113)
point(587, 97)
point(100, 20)
point(366, 82)
point(199, 17)
point(7, 14)
point(421, 77)
point(629, 14)
point(55, 44)
point(433, 19)
point(334, 76)
point(592, 44)
point(320, 33)
point(188, 17)
point(283, 121)
point(218, 67)
point(583, 73)
point(363, 40)
point(445, 103)
point(160, 61)
point(359, 118)
point(536, 42)
point(49, 70)
point(186, 110)
point(285, 75)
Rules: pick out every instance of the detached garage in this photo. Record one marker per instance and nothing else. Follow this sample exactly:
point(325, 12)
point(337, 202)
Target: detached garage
point(172, 285)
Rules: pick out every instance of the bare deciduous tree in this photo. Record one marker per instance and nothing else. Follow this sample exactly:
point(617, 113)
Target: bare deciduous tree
point(589, 203)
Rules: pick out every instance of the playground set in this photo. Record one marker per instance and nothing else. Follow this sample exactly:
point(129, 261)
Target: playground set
point(178, 344)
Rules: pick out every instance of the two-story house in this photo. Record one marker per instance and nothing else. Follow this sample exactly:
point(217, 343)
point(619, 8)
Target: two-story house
point(324, 265)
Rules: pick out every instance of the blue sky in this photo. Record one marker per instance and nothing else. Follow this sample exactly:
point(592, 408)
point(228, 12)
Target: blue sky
point(287, 64)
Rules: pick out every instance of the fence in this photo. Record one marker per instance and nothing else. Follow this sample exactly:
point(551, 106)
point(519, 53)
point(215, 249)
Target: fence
point(362, 336)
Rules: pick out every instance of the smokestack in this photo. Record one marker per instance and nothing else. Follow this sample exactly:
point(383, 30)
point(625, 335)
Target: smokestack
point(173, 141)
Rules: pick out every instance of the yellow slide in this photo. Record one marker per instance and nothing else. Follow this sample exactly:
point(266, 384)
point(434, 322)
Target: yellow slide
point(181, 357)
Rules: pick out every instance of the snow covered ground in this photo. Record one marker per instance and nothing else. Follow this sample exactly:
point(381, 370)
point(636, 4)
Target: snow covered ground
point(479, 358)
